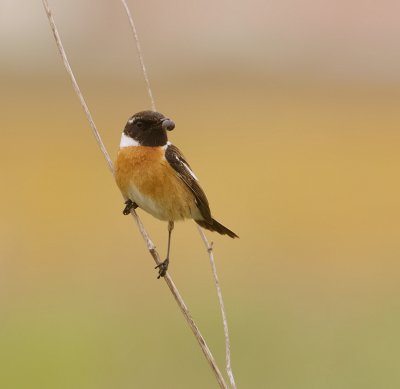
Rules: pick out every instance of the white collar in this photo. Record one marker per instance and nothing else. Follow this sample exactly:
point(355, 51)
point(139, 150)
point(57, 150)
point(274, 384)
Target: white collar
point(127, 141)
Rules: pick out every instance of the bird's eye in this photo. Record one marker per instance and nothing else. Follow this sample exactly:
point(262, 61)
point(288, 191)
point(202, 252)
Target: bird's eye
point(139, 124)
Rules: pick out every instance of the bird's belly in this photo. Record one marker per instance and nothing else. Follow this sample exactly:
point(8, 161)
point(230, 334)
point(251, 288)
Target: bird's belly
point(154, 186)
point(165, 200)
point(156, 206)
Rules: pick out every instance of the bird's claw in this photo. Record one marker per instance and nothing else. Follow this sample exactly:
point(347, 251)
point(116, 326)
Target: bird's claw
point(162, 268)
point(129, 205)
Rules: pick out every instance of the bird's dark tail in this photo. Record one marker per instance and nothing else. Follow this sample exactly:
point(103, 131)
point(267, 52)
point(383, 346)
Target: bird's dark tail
point(217, 227)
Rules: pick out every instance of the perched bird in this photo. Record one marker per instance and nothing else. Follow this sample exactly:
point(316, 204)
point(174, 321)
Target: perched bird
point(155, 176)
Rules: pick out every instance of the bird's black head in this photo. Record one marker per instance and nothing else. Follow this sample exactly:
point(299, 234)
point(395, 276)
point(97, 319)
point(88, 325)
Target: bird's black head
point(148, 128)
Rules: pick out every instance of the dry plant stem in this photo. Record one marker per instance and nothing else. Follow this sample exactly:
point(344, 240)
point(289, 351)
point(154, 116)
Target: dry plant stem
point(139, 50)
point(75, 85)
point(209, 247)
point(203, 236)
point(149, 243)
point(181, 304)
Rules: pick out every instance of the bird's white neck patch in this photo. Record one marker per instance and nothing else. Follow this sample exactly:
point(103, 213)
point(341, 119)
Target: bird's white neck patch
point(166, 145)
point(127, 141)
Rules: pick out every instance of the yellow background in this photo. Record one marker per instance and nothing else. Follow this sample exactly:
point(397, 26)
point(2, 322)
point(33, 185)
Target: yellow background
point(288, 113)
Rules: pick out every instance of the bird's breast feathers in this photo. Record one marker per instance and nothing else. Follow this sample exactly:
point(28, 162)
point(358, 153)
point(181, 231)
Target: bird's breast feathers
point(145, 176)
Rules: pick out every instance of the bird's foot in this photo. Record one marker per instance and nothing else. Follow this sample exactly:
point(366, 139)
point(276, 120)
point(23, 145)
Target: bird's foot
point(162, 268)
point(129, 205)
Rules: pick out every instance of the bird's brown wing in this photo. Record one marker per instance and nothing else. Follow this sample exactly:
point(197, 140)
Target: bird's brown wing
point(183, 170)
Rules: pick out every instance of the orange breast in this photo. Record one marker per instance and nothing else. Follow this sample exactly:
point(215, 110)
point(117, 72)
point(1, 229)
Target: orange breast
point(145, 176)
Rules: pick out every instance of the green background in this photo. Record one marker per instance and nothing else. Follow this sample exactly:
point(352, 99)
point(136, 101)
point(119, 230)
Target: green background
point(289, 115)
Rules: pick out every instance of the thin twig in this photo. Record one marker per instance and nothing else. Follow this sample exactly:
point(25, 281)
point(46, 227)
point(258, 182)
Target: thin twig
point(139, 50)
point(76, 87)
point(209, 248)
point(149, 243)
point(203, 236)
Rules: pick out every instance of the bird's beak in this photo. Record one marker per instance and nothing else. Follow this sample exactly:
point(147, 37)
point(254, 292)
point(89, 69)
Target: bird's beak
point(167, 124)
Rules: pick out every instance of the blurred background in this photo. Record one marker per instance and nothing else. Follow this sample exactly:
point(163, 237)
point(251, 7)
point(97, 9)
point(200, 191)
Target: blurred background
point(288, 112)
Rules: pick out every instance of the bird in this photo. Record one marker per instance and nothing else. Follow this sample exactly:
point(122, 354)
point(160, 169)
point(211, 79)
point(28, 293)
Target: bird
point(154, 175)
